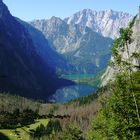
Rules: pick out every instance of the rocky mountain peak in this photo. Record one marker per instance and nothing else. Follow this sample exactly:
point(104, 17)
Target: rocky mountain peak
point(86, 11)
point(139, 13)
point(22, 50)
point(56, 19)
point(106, 22)
point(3, 9)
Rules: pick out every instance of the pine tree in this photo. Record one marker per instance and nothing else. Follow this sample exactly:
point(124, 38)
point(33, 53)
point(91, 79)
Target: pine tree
point(119, 117)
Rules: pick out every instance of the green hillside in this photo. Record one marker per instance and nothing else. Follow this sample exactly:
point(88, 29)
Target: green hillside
point(23, 132)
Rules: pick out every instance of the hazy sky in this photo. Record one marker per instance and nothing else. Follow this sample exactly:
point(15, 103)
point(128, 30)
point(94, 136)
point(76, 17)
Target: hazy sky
point(38, 9)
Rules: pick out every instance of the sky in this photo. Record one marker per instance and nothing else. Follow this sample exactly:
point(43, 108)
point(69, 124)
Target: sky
point(44, 9)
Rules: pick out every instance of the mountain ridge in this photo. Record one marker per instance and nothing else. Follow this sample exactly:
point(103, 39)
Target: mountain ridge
point(23, 71)
point(68, 36)
point(98, 20)
point(101, 21)
point(72, 41)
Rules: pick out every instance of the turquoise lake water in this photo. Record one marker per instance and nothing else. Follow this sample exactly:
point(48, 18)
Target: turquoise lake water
point(77, 76)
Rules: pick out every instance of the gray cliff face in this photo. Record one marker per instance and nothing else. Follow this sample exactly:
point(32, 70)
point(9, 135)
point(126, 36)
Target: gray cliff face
point(134, 47)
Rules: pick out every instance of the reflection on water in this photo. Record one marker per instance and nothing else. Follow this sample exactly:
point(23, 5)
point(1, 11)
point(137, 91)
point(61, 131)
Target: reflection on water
point(72, 92)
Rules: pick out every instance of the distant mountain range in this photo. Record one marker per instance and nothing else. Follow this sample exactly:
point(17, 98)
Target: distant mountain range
point(27, 63)
point(106, 23)
point(84, 40)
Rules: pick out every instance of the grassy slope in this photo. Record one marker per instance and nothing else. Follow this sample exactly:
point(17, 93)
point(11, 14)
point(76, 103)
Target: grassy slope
point(22, 133)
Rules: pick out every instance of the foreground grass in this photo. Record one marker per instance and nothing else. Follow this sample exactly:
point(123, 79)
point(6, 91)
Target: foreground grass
point(22, 133)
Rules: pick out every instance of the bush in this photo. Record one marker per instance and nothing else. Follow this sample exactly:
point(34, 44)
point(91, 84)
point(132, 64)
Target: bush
point(71, 132)
point(49, 131)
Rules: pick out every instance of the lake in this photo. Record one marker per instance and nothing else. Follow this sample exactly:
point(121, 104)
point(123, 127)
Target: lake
point(72, 92)
point(77, 76)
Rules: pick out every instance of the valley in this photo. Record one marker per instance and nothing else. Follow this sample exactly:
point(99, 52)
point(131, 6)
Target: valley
point(72, 92)
point(74, 77)
point(89, 79)
point(85, 84)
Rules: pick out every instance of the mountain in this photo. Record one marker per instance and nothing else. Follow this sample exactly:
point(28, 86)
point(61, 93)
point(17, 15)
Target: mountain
point(130, 54)
point(22, 69)
point(107, 23)
point(86, 50)
point(51, 57)
point(92, 53)
point(84, 39)
point(60, 35)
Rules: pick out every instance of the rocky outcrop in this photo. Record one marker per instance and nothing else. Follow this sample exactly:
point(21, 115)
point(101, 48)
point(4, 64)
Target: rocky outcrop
point(134, 47)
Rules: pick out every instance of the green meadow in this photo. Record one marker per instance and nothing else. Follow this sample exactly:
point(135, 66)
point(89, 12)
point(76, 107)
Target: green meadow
point(22, 133)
